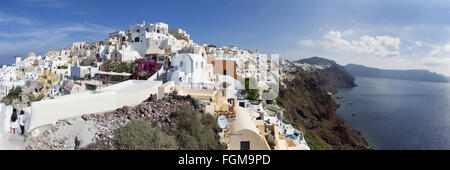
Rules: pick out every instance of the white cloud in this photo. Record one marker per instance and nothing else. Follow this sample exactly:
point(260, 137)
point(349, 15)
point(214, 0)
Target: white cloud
point(349, 32)
point(51, 31)
point(43, 39)
point(378, 45)
point(418, 43)
point(13, 19)
point(436, 61)
point(438, 50)
point(306, 43)
point(45, 3)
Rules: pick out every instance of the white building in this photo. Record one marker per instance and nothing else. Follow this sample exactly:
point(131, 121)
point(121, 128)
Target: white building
point(140, 39)
point(77, 71)
point(190, 69)
point(144, 36)
point(80, 46)
point(117, 35)
point(18, 59)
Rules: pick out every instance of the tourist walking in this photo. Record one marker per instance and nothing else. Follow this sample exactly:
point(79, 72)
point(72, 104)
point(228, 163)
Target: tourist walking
point(14, 122)
point(77, 143)
point(22, 122)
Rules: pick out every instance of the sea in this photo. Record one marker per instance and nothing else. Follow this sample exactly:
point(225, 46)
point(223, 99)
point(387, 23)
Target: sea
point(398, 114)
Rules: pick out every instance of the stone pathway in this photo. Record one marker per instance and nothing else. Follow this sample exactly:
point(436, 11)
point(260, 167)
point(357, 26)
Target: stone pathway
point(11, 142)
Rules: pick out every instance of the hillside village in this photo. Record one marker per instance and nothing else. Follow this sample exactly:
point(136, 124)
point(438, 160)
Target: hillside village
point(236, 86)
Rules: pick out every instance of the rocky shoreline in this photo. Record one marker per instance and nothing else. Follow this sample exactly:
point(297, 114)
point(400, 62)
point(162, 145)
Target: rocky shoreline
point(311, 108)
point(91, 128)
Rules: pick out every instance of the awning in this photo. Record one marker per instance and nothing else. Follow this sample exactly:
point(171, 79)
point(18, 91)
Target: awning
point(113, 73)
point(154, 50)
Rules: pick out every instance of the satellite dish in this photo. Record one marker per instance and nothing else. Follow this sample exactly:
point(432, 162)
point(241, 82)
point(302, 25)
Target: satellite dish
point(222, 121)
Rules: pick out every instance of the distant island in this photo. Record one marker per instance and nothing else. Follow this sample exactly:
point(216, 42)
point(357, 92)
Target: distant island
point(413, 75)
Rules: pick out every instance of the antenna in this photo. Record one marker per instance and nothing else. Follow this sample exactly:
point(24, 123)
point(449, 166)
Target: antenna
point(222, 121)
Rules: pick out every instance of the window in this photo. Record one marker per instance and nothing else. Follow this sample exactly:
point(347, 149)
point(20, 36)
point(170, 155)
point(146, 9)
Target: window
point(202, 65)
point(242, 104)
point(245, 145)
point(181, 63)
point(231, 101)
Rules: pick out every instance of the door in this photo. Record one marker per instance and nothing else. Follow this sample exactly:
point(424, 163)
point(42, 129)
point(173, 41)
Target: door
point(245, 145)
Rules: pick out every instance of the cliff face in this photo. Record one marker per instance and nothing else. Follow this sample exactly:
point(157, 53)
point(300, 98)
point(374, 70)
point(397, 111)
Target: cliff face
point(310, 108)
point(332, 76)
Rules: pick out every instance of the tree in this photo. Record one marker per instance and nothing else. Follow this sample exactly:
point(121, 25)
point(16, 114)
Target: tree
point(195, 131)
point(140, 69)
point(252, 94)
point(139, 135)
point(117, 67)
point(14, 93)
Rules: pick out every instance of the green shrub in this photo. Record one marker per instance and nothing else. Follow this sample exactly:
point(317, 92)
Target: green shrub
point(252, 94)
point(14, 93)
point(118, 67)
point(139, 135)
point(195, 131)
point(316, 143)
point(99, 145)
point(280, 102)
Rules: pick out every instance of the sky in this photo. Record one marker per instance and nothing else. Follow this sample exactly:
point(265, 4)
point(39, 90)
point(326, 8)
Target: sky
point(401, 34)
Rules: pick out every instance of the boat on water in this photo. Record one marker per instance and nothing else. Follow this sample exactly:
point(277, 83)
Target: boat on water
point(350, 103)
point(353, 114)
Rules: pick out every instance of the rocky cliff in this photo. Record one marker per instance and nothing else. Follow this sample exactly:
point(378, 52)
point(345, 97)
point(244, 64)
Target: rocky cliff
point(309, 106)
point(331, 76)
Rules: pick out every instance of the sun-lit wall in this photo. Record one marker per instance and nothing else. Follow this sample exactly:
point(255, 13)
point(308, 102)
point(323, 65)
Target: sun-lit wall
point(128, 93)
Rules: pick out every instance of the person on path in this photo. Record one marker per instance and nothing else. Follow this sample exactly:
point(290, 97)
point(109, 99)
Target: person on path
point(22, 122)
point(14, 122)
point(77, 143)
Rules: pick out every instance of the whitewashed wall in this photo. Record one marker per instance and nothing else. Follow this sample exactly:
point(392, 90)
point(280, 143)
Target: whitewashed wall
point(129, 93)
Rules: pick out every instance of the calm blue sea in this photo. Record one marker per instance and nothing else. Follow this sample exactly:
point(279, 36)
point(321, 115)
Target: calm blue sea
point(397, 114)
